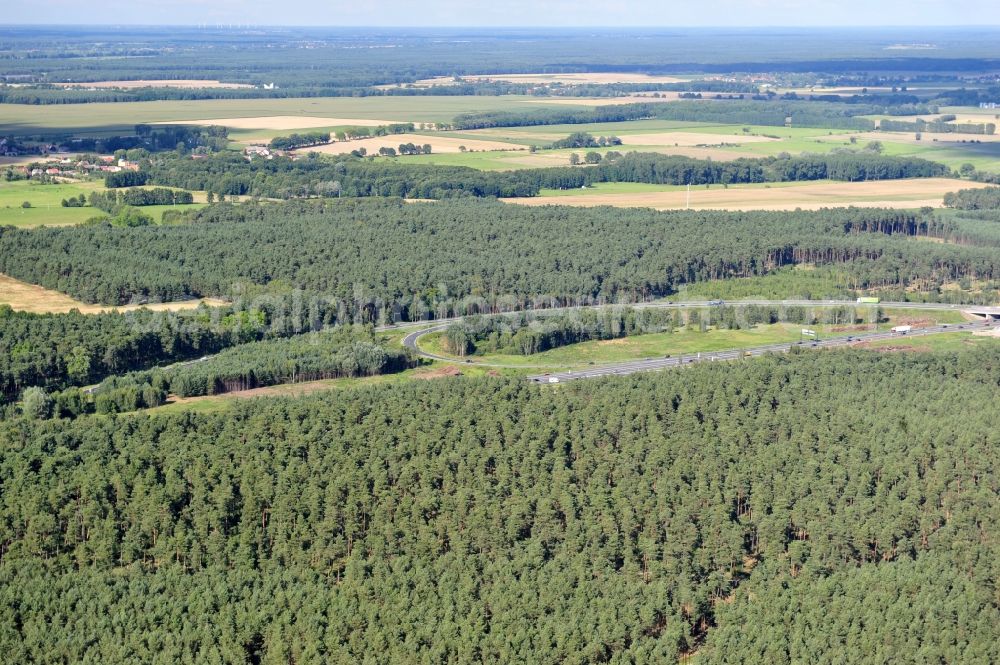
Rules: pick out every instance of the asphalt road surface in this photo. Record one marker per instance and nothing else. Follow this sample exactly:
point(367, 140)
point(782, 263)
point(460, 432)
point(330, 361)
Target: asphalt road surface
point(653, 364)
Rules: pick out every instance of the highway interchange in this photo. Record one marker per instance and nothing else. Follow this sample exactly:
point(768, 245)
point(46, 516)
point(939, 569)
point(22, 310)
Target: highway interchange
point(653, 364)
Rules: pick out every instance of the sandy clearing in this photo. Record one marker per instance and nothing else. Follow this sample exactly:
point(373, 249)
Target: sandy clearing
point(915, 193)
point(311, 387)
point(987, 333)
point(25, 297)
point(692, 139)
point(156, 83)
point(892, 348)
point(281, 122)
point(439, 144)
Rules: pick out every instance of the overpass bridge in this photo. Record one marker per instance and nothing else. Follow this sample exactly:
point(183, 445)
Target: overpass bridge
point(984, 313)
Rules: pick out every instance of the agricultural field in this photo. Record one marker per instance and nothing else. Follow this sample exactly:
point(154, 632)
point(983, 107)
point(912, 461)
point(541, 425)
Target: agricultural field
point(46, 203)
point(910, 193)
point(719, 142)
point(644, 98)
point(439, 144)
point(45, 200)
point(103, 119)
point(184, 84)
point(547, 78)
point(23, 297)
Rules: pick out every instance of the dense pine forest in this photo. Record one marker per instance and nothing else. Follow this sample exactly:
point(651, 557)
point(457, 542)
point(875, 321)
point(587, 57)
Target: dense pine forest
point(744, 513)
point(409, 257)
point(438, 493)
point(346, 351)
point(53, 351)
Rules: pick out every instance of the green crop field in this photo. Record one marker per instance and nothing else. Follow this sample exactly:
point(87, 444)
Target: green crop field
point(46, 203)
point(46, 208)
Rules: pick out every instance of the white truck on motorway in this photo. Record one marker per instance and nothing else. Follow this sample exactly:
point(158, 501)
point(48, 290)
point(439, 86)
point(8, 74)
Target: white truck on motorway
point(902, 330)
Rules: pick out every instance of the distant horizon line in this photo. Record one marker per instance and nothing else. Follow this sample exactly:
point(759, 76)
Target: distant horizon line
point(603, 27)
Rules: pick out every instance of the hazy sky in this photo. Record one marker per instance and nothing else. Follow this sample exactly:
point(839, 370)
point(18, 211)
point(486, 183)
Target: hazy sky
point(645, 13)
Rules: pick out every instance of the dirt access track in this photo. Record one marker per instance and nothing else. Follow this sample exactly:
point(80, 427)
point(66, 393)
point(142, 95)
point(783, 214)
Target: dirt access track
point(911, 193)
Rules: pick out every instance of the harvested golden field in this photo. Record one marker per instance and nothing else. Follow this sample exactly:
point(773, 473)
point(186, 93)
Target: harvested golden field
point(983, 116)
point(535, 160)
point(977, 117)
point(611, 101)
point(439, 144)
point(721, 154)
point(26, 297)
point(514, 134)
point(281, 122)
point(192, 84)
point(914, 193)
point(691, 139)
point(578, 78)
point(928, 138)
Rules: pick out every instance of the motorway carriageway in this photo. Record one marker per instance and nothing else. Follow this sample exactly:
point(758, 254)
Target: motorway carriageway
point(653, 364)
